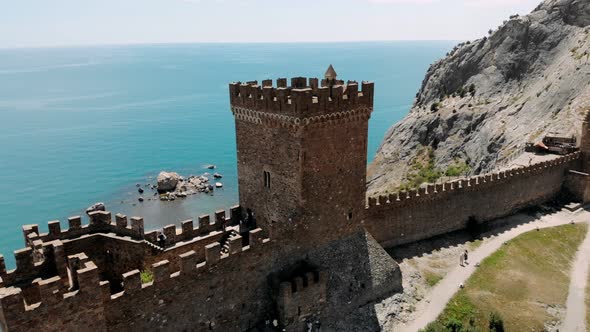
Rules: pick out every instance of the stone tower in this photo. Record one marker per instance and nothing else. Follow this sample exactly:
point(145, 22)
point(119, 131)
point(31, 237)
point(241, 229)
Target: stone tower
point(302, 155)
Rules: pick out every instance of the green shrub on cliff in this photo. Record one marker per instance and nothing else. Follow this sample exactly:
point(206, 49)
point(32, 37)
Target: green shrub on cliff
point(422, 170)
point(458, 169)
point(434, 107)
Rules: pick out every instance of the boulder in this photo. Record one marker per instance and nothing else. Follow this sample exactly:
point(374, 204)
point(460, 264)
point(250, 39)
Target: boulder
point(167, 181)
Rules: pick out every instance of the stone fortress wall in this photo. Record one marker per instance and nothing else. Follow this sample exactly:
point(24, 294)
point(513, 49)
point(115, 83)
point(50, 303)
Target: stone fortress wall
point(225, 274)
point(436, 209)
point(57, 290)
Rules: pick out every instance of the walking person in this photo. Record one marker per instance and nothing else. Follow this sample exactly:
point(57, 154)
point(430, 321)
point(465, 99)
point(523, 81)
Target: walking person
point(162, 240)
point(465, 256)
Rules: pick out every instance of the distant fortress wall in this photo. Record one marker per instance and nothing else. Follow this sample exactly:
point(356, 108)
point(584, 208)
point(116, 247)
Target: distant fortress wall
point(437, 209)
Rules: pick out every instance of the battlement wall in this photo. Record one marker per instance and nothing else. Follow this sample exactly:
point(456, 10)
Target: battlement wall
point(302, 298)
point(224, 292)
point(102, 222)
point(436, 209)
point(206, 224)
point(56, 309)
point(42, 259)
point(210, 287)
point(302, 99)
point(123, 246)
point(98, 222)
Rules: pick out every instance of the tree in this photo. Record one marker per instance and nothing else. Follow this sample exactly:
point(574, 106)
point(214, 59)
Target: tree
point(496, 322)
point(472, 89)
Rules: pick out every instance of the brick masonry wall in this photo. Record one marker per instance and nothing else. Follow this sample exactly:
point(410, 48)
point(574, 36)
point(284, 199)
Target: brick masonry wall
point(228, 295)
point(419, 214)
point(270, 149)
point(235, 294)
point(74, 311)
point(112, 255)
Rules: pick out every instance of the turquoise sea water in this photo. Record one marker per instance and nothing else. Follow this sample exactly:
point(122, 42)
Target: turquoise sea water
point(81, 125)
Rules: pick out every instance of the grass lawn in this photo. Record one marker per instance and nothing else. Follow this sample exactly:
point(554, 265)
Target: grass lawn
point(519, 282)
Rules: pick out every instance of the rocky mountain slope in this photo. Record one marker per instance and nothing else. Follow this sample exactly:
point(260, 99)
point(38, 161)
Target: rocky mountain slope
point(479, 105)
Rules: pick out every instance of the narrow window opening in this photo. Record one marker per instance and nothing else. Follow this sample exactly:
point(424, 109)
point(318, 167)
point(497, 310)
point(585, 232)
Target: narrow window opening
point(266, 179)
point(302, 156)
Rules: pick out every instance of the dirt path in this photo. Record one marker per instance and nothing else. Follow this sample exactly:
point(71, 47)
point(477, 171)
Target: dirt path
point(436, 300)
point(575, 318)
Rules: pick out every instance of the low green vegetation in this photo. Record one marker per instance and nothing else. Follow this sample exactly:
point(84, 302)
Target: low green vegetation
point(423, 170)
point(146, 276)
point(458, 169)
point(432, 278)
point(578, 55)
point(475, 244)
point(496, 323)
point(435, 106)
point(513, 286)
point(463, 91)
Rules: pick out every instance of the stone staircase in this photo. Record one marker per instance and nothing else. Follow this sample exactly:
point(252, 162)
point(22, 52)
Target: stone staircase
point(573, 206)
point(225, 240)
point(155, 248)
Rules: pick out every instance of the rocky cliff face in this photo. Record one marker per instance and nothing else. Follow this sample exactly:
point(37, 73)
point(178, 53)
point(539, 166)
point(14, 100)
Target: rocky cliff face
point(479, 105)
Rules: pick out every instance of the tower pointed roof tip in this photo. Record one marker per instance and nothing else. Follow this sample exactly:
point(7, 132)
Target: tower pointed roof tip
point(330, 73)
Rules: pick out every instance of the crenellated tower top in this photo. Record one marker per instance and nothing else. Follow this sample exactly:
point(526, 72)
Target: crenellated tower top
point(303, 99)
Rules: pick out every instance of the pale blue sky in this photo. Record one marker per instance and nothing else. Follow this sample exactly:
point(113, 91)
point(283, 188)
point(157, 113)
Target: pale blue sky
point(25, 23)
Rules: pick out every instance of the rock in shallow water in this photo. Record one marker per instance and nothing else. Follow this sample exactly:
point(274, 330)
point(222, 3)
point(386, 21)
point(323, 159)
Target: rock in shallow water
point(167, 181)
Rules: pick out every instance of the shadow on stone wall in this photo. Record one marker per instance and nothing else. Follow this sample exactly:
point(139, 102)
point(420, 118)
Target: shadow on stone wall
point(484, 230)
